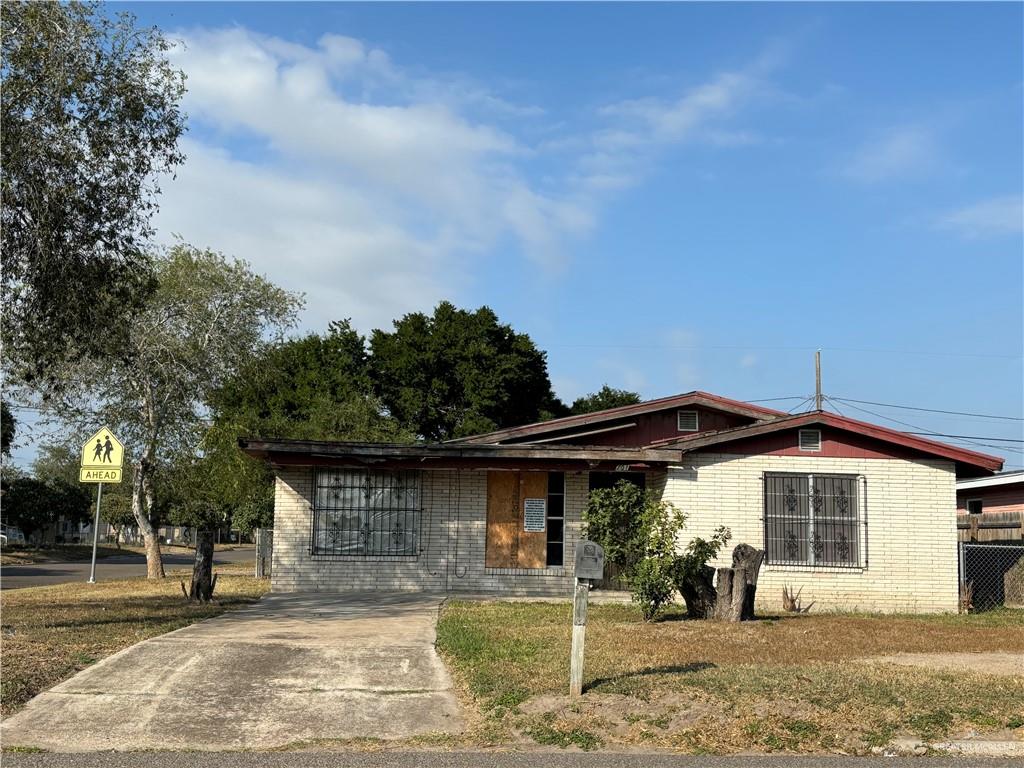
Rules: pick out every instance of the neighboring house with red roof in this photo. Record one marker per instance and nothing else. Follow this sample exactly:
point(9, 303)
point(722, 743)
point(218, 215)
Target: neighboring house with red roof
point(991, 508)
point(857, 515)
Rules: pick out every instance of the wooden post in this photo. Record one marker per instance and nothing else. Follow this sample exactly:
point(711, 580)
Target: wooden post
point(817, 380)
point(579, 631)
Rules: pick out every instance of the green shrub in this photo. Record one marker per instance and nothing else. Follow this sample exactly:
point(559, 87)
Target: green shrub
point(640, 535)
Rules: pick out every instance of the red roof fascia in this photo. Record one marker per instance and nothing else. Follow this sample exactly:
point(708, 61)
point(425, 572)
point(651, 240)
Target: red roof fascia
point(975, 458)
point(623, 411)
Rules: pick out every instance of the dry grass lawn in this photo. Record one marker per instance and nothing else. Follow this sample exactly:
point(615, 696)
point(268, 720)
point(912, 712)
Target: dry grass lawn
point(50, 633)
point(793, 683)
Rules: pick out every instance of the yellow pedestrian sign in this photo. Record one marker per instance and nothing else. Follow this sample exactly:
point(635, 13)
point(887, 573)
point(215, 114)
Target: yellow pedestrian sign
point(102, 458)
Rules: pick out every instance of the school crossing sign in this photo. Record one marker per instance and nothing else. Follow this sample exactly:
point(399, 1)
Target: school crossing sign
point(102, 458)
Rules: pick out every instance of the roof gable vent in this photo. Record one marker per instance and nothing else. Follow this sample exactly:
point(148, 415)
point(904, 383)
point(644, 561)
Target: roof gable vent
point(687, 421)
point(810, 439)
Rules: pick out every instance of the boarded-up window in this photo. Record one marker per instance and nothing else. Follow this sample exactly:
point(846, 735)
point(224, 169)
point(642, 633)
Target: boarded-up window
point(517, 535)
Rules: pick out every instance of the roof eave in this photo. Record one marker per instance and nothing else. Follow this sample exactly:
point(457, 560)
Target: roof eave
point(324, 449)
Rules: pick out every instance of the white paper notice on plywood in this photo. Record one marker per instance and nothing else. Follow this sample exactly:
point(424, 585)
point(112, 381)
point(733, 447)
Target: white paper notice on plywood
point(535, 512)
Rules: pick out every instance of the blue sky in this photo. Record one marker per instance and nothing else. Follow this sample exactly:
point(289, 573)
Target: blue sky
point(665, 196)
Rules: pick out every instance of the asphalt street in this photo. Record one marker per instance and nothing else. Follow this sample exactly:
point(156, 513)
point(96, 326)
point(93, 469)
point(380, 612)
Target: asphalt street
point(474, 760)
point(107, 568)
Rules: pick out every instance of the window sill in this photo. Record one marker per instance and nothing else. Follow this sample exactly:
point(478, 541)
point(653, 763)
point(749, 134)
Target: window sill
point(559, 571)
point(366, 558)
point(807, 568)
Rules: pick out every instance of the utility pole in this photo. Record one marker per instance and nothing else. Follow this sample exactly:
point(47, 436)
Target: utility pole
point(817, 380)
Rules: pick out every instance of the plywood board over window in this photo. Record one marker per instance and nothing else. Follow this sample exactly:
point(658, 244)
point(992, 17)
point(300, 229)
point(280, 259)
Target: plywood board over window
point(502, 520)
point(509, 544)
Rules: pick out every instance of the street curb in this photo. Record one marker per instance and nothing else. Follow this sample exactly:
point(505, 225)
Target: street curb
point(964, 747)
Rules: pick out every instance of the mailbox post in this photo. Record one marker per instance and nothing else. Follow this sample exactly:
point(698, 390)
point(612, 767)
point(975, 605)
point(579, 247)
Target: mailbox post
point(589, 565)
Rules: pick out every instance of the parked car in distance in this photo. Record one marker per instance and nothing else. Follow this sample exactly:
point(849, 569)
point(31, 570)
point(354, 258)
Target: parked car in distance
point(11, 535)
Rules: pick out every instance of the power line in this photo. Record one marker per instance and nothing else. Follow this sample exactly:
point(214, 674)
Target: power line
point(918, 427)
point(833, 404)
point(756, 348)
point(929, 410)
point(970, 437)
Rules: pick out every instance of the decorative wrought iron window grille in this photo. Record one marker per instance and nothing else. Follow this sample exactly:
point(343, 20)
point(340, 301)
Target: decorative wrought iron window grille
point(812, 520)
point(366, 513)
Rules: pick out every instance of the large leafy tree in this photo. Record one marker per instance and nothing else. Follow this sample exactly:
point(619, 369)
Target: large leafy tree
point(207, 318)
point(457, 373)
point(8, 426)
point(32, 503)
point(316, 387)
point(90, 114)
point(604, 398)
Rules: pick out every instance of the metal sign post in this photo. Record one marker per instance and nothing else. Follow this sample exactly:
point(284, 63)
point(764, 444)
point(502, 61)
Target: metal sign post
point(102, 459)
point(589, 565)
point(95, 533)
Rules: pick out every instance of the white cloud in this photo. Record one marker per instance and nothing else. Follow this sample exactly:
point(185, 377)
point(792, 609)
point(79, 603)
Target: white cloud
point(335, 172)
point(900, 152)
point(748, 360)
point(622, 154)
point(996, 216)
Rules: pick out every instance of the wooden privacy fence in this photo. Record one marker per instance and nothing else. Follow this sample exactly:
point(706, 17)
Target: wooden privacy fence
point(990, 526)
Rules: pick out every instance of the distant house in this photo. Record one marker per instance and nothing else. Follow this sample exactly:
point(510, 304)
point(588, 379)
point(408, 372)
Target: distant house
point(991, 508)
point(857, 515)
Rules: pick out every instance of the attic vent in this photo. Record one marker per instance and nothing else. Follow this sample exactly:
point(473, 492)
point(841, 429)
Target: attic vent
point(810, 439)
point(686, 421)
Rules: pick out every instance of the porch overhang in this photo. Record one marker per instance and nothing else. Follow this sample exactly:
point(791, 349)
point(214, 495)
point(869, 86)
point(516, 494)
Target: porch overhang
point(292, 453)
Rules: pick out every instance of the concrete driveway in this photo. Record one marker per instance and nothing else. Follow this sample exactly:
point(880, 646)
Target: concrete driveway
point(293, 667)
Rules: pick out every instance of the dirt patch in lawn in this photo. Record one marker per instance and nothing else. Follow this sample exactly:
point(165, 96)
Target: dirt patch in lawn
point(993, 663)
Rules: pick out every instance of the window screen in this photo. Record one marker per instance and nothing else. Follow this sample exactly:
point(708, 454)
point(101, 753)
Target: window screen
point(811, 520)
point(363, 512)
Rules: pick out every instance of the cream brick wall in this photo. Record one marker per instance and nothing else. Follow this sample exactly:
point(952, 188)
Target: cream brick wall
point(452, 543)
point(911, 555)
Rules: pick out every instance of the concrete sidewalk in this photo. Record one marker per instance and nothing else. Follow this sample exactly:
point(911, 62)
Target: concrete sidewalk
point(293, 667)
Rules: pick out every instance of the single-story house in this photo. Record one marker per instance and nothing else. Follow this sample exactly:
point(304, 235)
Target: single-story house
point(857, 515)
point(991, 508)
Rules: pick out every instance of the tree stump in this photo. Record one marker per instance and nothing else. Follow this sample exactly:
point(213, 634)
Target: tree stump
point(736, 587)
point(698, 591)
point(749, 559)
point(203, 581)
point(730, 590)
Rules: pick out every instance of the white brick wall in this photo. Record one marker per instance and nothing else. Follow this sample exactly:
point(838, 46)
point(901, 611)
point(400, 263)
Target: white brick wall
point(452, 542)
point(910, 534)
point(910, 537)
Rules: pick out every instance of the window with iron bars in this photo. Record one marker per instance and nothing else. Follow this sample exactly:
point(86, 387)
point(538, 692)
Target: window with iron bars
point(366, 513)
point(811, 520)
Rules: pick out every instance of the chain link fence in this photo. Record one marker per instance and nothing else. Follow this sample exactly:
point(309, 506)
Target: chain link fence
point(991, 575)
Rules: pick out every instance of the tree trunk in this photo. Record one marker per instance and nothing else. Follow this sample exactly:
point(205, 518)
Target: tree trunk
point(698, 591)
point(731, 591)
point(749, 559)
point(203, 581)
point(142, 503)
